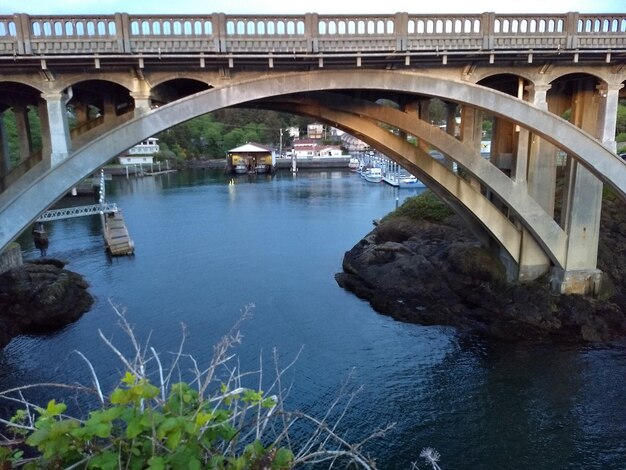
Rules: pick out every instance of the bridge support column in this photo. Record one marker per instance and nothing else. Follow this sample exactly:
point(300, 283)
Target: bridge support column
point(23, 131)
point(471, 133)
point(502, 144)
point(423, 110)
point(582, 203)
point(609, 123)
point(142, 101)
point(450, 129)
point(58, 126)
point(81, 111)
point(535, 166)
point(108, 112)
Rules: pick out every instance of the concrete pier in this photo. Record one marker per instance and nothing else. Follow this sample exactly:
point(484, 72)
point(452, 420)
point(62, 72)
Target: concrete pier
point(11, 257)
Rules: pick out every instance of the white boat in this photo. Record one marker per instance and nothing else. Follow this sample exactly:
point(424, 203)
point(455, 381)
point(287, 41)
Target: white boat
point(262, 168)
point(402, 180)
point(409, 181)
point(373, 175)
point(241, 168)
point(353, 164)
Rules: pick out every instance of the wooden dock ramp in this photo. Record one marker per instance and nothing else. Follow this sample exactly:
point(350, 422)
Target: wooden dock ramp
point(116, 237)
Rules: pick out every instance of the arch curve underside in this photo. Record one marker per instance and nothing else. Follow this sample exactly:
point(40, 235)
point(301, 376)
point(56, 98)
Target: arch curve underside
point(315, 94)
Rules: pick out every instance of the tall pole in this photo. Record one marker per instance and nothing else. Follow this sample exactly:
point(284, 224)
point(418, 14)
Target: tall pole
point(102, 197)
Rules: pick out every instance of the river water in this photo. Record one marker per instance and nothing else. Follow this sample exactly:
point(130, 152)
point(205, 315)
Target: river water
point(206, 248)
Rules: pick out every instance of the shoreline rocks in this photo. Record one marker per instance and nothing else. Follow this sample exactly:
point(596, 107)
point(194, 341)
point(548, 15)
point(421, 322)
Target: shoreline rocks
point(436, 273)
point(40, 297)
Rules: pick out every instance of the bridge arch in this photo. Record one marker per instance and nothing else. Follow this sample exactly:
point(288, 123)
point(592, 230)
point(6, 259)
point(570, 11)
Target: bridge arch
point(173, 89)
point(485, 76)
point(26, 206)
point(475, 208)
point(66, 81)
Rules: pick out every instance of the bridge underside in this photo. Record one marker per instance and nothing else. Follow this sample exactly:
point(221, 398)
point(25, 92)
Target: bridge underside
point(508, 201)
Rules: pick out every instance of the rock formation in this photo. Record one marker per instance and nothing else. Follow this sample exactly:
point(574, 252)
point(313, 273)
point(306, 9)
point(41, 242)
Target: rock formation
point(40, 297)
point(435, 272)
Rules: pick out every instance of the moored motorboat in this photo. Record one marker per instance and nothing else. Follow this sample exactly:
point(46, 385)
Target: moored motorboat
point(373, 175)
point(241, 169)
point(409, 181)
point(353, 164)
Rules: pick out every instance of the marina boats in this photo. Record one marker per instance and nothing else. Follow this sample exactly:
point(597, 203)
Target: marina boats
point(402, 180)
point(373, 175)
point(353, 164)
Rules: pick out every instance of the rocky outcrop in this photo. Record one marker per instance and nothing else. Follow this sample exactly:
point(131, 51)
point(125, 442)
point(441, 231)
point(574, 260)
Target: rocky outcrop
point(40, 297)
point(435, 273)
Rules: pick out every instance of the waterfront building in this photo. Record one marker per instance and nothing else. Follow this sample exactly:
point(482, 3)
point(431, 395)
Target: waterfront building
point(250, 158)
point(142, 153)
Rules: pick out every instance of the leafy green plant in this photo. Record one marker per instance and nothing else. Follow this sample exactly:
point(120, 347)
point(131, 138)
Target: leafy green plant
point(211, 421)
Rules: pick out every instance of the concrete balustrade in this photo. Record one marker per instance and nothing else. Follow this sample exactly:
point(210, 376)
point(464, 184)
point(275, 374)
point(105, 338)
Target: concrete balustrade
point(24, 35)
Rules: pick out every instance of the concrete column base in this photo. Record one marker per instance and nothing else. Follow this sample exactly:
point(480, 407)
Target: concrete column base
point(527, 273)
point(11, 257)
point(583, 282)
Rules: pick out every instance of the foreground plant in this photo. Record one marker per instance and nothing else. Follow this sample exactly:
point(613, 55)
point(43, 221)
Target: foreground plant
point(210, 421)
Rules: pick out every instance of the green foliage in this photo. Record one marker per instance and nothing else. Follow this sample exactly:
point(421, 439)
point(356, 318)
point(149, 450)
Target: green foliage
point(487, 129)
point(210, 422)
point(10, 126)
point(425, 206)
point(620, 127)
point(137, 429)
point(609, 193)
point(213, 134)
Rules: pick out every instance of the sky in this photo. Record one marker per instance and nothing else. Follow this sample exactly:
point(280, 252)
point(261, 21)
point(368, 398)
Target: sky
point(64, 7)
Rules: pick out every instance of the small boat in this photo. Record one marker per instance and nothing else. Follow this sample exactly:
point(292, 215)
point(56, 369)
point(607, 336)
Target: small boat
point(409, 181)
point(373, 175)
point(262, 168)
point(353, 164)
point(241, 168)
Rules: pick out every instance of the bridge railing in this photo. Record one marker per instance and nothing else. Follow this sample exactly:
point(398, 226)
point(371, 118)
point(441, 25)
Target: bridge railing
point(263, 34)
point(167, 34)
point(600, 31)
point(218, 33)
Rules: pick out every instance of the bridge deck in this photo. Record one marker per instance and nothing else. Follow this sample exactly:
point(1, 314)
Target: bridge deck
point(110, 40)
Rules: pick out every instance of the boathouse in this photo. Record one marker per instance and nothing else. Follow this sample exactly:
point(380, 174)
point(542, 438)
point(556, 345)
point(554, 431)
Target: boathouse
point(250, 158)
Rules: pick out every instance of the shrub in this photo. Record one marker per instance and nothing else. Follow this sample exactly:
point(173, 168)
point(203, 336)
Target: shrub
point(211, 421)
point(425, 206)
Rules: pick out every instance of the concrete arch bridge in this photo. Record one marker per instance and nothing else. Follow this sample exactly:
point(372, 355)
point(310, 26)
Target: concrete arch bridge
point(378, 87)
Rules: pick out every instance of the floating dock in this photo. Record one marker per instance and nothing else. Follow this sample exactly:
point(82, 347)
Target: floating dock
point(116, 237)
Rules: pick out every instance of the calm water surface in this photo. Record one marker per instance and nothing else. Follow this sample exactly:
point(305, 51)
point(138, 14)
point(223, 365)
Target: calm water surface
point(205, 249)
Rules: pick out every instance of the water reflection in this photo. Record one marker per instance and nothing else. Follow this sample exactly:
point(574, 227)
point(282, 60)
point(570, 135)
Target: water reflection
point(206, 248)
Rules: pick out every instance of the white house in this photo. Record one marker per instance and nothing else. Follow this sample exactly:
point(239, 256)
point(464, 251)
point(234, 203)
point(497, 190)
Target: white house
point(142, 153)
point(329, 151)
